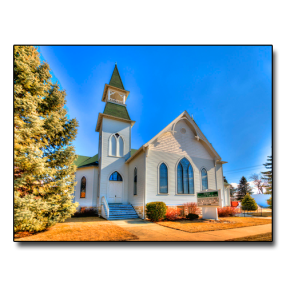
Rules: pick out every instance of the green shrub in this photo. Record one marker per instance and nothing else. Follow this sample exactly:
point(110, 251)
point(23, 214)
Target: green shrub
point(249, 203)
point(156, 211)
point(192, 216)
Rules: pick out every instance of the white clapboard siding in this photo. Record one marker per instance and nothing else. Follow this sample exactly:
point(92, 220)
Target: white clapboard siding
point(139, 163)
point(170, 149)
point(91, 175)
point(155, 158)
point(181, 143)
point(110, 164)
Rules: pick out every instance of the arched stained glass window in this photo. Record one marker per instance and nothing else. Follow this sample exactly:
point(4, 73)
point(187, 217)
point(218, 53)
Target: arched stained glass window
point(204, 179)
point(83, 187)
point(163, 179)
point(115, 177)
point(185, 177)
point(135, 182)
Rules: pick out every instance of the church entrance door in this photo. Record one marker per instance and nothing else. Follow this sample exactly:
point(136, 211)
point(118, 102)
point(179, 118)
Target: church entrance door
point(115, 192)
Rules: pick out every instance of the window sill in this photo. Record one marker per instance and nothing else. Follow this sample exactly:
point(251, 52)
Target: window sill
point(115, 156)
point(185, 194)
point(160, 194)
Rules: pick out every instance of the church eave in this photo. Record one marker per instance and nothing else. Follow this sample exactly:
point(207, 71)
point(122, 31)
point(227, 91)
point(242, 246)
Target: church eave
point(101, 116)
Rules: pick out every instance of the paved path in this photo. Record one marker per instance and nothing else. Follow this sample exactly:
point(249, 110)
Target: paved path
point(148, 231)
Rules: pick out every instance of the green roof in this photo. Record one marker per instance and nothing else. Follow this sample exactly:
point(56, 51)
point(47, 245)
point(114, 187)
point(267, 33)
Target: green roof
point(133, 151)
point(85, 161)
point(116, 110)
point(116, 79)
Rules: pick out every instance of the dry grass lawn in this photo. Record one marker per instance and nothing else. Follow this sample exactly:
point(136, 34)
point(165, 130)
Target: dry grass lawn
point(82, 229)
point(260, 237)
point(209, 225)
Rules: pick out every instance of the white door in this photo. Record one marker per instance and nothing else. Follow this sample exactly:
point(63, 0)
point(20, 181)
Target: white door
point(115, 192)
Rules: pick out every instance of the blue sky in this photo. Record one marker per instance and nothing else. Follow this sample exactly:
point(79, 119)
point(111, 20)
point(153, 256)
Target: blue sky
point(226, 88)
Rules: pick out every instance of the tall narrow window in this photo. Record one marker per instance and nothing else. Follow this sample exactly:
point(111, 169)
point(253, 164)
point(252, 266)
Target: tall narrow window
point(83, 187)
point(135, 182)
point(180, 178)
point(120, 146)
point(163, 179)
point(113, 146)
point(191, 179)
point(185, 177)
point(204, 179)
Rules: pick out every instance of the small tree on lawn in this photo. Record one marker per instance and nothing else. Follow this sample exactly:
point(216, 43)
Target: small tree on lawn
point(43, 155)
point(249, 203)
point(243, 188)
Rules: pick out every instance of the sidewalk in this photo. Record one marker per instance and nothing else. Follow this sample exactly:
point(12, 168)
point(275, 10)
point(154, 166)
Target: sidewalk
point(148, 231)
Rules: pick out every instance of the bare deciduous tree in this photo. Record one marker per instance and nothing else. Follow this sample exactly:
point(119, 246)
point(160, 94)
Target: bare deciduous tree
point(258, 182)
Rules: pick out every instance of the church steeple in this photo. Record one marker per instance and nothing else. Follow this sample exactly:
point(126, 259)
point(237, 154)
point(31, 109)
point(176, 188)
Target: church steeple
point(116, 79)
point(115, 91)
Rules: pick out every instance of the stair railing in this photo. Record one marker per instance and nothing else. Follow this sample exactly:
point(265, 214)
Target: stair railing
point(104, 208)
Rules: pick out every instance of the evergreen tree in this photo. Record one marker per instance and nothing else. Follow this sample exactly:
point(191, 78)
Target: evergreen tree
point(249, 203)
point(225, 180)
point(267, 175)
point(43, 155)
point(243, 188)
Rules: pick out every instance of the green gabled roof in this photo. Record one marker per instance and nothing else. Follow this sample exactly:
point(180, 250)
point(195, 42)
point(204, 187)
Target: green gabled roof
point(133, 151)
point(116, 110)
point(85, 161)
point(116, 79)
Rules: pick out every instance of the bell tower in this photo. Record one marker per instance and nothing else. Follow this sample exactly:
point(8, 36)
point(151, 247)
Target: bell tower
point(114, 127)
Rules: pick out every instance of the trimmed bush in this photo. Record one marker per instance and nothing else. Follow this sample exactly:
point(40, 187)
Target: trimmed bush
point(156, 211)
point(192, 216)
point(249, 203)
point(227, 211)
point(172, 213)
point(86, 212)
point(192, 208)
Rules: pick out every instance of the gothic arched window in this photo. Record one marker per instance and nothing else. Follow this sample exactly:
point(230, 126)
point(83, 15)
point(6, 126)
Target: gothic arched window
point(163, 175)
point(116, 146)
point(135, 182)
point(204, 179)
point(83, 187)
point(115, 176)
point(185, 177)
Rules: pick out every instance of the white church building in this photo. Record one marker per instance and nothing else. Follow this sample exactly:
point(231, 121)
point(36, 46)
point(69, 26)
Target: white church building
point(119, 181)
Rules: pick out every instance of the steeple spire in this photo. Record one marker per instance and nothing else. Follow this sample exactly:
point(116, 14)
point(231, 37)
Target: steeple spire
point(116, 79)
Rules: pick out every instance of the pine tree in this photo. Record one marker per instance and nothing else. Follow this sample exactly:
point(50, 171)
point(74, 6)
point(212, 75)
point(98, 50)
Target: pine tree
point(249, 203)
point(43, 155)
point(267, 175)
point(243, 188)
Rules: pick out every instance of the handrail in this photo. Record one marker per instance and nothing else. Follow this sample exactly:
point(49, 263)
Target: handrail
point(106, 206)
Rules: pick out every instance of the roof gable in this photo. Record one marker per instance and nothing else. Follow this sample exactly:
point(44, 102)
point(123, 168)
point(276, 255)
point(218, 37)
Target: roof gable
point(171, 128)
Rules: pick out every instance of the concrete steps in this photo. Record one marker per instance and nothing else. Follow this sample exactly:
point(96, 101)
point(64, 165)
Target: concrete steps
point(120, 211)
